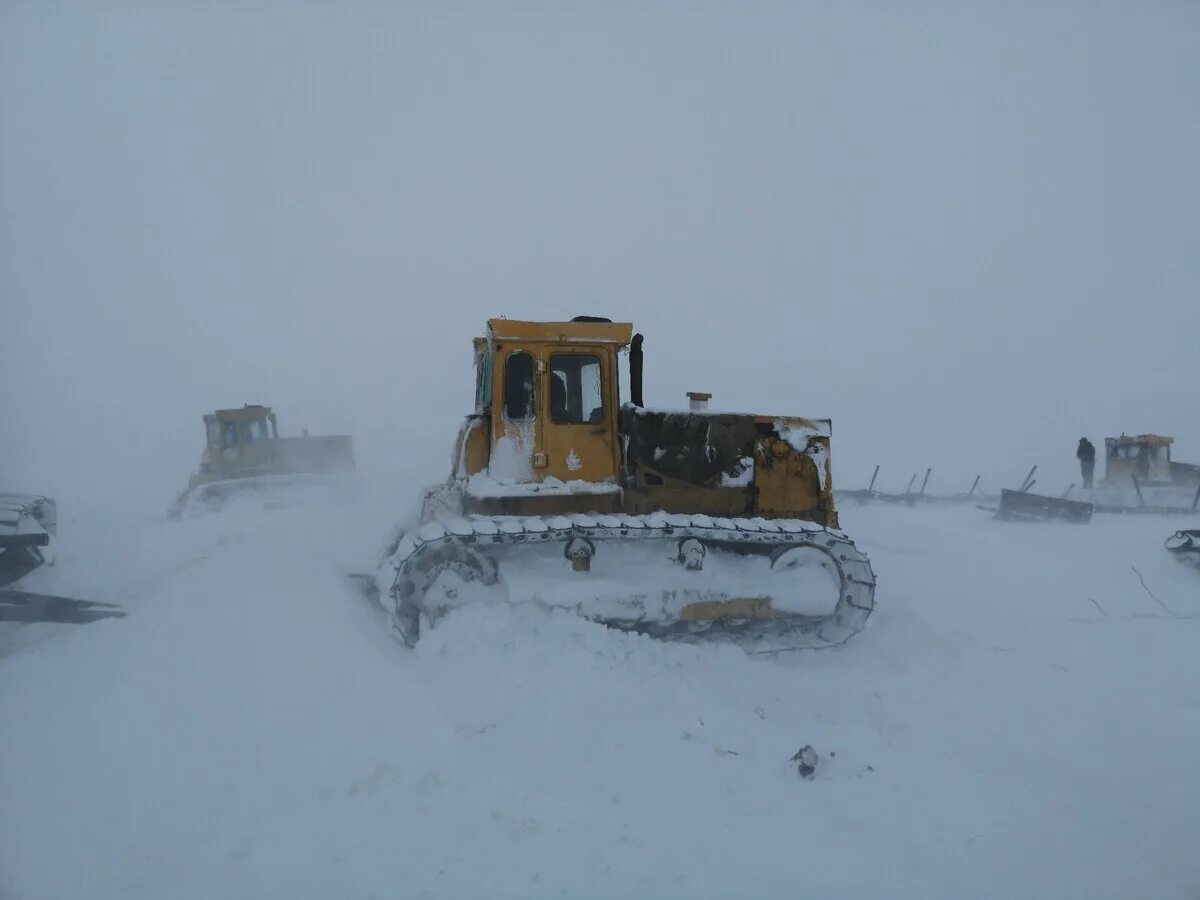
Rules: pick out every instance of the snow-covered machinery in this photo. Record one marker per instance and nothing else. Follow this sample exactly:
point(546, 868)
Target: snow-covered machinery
point(678, 524)
point(1146, 457)
point(1185, 546)
point(1024, 506)
point(1141, 476)
point(26, 523)
point(244, 452)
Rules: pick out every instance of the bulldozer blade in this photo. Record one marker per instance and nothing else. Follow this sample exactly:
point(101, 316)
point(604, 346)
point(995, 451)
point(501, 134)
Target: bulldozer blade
point(1021, 505)
point(24, 606)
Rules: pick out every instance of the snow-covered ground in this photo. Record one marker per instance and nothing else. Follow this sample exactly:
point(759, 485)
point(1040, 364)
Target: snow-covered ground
point(1020, 718)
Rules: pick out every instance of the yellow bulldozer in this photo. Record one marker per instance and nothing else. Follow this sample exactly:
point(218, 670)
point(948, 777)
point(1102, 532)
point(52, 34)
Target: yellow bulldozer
point(1141, 476)
point(681, 524)
point(1146, 458)
point(244, 452)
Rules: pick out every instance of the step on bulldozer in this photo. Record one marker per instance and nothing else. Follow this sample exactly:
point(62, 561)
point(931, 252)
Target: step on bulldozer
point(244, 453)
point(686, 525)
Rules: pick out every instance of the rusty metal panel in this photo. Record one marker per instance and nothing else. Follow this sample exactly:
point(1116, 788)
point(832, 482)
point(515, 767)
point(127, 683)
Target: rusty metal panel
point(787, 482)
point(734, 608)
point(680, 497)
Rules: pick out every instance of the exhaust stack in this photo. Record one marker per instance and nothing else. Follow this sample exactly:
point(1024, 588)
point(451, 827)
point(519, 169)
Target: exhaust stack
point(635, 371)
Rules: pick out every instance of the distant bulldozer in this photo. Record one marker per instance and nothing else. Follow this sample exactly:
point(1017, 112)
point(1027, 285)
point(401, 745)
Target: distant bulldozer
point(1146, 457)
point(244, 451)
point(1140, 475)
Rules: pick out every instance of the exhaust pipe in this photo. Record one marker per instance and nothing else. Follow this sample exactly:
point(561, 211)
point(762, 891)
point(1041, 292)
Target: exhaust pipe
point(635, 371)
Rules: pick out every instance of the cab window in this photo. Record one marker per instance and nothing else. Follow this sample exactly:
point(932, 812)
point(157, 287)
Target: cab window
point(483, 381)
point(576, 389)
point(518, 387)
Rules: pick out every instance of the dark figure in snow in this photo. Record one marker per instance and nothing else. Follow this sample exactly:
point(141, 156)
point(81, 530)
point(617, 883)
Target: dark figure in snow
point(1087, 460)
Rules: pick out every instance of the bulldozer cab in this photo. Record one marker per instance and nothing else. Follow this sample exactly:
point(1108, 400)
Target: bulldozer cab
point(238, 441)
point(551, 391)
point(553, 477)
point(231, 428)
point(1146, 457)
point(549, 435)
point(245, 442)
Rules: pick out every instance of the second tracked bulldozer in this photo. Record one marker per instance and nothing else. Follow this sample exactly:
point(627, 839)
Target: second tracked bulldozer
point(243, 452)
point(688, 524)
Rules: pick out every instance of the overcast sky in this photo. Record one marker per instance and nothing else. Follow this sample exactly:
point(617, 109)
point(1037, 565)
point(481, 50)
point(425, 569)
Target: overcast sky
point(968, 233)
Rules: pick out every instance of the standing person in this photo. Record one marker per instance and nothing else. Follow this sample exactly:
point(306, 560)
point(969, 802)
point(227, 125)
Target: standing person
point(1087, 461)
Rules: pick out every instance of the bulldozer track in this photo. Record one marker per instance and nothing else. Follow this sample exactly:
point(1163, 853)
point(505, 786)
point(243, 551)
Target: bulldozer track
point(462, 545)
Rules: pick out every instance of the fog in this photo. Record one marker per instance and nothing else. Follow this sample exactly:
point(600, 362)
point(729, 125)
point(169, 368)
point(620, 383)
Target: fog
point(969, 236)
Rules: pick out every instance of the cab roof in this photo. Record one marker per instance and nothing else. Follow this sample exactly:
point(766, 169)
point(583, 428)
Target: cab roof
point(1141, 439)
point(619, 333)
point(247, 413)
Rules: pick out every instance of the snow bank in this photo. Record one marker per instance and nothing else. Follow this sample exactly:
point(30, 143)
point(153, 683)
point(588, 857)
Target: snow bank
point(511, 458)
point(1019, 719)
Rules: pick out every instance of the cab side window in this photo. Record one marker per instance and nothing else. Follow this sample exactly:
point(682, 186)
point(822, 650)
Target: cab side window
point(518, 387)
point(483, 381)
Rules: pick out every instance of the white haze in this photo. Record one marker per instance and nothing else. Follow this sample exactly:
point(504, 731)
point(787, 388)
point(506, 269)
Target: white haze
point(969, 235)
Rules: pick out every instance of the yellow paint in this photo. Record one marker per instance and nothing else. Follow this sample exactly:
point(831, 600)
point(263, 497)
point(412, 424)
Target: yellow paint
point(244, 443)
point(1152, 439)
point(514, 331)
point(568, 451)
point(472, 446)
point(580, 446)
point(735, 608)
point(786, 481)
